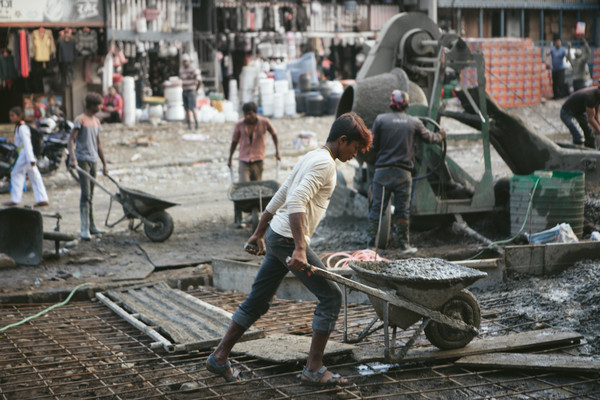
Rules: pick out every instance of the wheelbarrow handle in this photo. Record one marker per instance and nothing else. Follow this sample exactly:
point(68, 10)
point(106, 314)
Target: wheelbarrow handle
point(87, 175)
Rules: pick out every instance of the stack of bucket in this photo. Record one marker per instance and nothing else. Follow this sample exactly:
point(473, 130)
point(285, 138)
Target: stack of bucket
point(247, 83)
point(281, 89)
point(233, 94)
point(129, 109)
point(267, 98)
point(174, 97)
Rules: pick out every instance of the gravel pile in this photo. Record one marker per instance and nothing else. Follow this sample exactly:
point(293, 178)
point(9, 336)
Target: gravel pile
point(569, 300)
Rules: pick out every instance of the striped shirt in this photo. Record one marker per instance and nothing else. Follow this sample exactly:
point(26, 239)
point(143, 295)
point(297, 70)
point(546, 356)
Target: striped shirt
point(190, 77)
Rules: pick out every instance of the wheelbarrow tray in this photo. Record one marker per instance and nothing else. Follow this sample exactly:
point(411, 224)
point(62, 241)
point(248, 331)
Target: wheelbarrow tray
point(143, 203)
point(429, 282)
point(250, 195)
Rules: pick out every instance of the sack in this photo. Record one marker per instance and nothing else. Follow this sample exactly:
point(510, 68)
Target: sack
point(37, 141)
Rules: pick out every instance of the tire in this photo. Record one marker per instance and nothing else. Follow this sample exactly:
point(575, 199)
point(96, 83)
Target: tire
point(386, 222)
point(255, 218)
point(163, 229)
point(464, 306)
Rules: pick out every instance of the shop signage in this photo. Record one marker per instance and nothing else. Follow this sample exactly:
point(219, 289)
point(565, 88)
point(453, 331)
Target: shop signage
point(52, 11)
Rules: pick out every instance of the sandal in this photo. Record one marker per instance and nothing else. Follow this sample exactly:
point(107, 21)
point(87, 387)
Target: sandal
point(212, 366)
point(314, 378)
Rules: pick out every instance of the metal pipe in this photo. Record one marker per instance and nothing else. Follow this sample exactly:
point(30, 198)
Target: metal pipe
point(168, 346)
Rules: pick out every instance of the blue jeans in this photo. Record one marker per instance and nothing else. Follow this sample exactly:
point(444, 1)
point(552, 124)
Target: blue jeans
point(270, 275)
point(579, 127)
point(397, 181)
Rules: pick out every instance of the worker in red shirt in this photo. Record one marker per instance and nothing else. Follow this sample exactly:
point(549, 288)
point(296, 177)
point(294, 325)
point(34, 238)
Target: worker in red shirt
point(112, 107)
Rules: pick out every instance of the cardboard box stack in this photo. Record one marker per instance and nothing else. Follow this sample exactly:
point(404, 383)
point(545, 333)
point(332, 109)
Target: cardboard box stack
point(514, 71)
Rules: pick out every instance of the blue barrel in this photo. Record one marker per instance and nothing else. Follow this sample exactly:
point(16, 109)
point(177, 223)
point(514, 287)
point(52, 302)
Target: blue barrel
point(558, 198)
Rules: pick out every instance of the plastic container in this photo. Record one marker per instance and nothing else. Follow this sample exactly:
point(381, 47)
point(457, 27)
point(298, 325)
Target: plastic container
point(314, 104)
point(304, 82)
point(281, 86)
point(558, 198)
point(290, 103)
point(278, 105)
point(332, 103)
point(176, 113)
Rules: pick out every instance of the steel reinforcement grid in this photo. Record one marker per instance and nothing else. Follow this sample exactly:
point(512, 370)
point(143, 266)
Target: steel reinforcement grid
point(84, 351)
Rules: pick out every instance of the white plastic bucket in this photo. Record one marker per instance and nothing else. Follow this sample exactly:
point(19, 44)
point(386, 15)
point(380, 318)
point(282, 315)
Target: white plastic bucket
point(176, 113)
point(278, 105)
point(281, 86)
point(174, 95)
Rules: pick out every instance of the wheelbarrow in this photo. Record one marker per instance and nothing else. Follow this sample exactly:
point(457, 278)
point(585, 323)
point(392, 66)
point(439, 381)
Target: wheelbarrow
point(252, 197)
point(150, 210)
point(404, 291)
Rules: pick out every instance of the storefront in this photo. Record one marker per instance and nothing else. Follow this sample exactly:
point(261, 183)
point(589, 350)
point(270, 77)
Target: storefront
point(50, 47)
point(68, 48)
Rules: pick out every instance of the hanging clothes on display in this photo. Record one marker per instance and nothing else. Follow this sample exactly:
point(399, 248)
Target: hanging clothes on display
point(66, 58)
point(24, 56)
point(86, 42)
point(44, 50)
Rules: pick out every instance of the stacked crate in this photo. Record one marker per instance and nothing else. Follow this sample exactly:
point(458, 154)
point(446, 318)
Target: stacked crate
point(514, 71)
point(596, 66)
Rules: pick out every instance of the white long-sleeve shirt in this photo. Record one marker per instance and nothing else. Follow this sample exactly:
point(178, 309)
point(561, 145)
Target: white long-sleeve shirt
point(307, 190)
point(23, 139)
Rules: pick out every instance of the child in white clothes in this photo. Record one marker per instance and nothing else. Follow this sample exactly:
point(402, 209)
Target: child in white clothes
point(25, 164)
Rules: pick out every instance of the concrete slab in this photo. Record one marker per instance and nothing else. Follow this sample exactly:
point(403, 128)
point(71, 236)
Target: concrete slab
point(549, 258)
point(282, 348)
point(236, 275)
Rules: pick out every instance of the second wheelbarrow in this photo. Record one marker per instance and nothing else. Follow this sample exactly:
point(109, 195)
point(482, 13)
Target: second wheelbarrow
point(150, 210)
point(404, 291)
point(252, 197)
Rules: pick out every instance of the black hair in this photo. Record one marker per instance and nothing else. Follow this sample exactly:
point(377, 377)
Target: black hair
point(353, 127)
point(17, 111)
point(248, 107)
point(93, 99)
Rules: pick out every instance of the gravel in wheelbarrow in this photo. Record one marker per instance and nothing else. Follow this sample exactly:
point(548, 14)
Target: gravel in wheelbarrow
point(417, 271)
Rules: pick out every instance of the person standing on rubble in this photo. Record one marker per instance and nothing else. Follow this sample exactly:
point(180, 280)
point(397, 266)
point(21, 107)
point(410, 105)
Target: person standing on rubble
point(190, 82)
point(580, 114)
point(251, 134)
point(557, 56)
point(393, 142)
point(85, 148)
point(581, 71)
point(284, 231)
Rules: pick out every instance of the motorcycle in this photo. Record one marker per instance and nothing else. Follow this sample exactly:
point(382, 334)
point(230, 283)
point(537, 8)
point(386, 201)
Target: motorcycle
point(55, 143)
point(50, 143)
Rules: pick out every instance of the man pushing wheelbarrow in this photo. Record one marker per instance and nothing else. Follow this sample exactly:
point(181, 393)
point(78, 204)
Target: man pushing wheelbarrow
point(284, 230)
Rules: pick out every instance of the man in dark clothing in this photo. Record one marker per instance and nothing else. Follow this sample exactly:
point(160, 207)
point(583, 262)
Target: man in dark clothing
point(580, 114)
point(393, 141)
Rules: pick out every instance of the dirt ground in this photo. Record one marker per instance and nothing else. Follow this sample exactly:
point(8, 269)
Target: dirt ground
point(189, 168)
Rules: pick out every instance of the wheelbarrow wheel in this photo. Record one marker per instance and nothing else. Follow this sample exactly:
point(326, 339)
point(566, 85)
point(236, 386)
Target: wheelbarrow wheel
point(163, 226)
point(463, 306)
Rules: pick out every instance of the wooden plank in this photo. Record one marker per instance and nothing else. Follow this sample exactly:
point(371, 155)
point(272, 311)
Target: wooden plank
point(547, 362)
point(549, 258)
point(544, 338)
